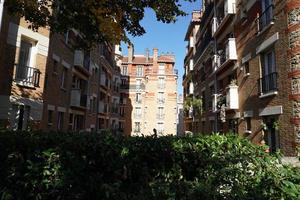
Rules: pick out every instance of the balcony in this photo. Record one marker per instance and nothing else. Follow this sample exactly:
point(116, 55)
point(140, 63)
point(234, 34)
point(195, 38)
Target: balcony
point(205, 42)
point(265, 18)
point(78, 99)
point(191, 89)
point(161, 100)
point(268, 83)
point(226, 55)
point(161, 86)
point(191, 65)
point(27, 76)
point(223, 15)
point(232, 97)
point(160, 116)
point(82, 60)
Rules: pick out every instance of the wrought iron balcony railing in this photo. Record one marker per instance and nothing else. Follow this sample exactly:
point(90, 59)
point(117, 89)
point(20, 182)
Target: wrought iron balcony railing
point(265, 18)
point(268, 83)
point(28, 75)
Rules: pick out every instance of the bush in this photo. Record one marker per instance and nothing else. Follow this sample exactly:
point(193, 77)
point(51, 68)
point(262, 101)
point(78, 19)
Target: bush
point(97, 166)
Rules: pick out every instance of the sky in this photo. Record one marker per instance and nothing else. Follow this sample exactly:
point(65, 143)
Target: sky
point(165, 37)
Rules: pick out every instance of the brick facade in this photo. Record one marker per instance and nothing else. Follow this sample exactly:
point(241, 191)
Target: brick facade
point(256, 83)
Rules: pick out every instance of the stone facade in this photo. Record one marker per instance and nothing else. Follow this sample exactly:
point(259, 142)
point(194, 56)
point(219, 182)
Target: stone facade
point(149, 88)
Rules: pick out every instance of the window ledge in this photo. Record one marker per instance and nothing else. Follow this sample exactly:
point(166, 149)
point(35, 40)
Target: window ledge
point(265, 28)
point(273, 93)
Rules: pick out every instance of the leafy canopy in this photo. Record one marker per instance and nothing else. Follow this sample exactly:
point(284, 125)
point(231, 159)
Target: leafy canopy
point(96, 20)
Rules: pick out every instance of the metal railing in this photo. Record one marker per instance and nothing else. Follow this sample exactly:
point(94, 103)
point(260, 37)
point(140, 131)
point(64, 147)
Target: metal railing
point(27, 75)
point(203, 45)
point(161, 85)
point(268, 83)
point(161, 100)
point(265, 18)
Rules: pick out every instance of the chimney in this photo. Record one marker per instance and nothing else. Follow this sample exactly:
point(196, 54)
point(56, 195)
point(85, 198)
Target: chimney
point(147, 55)
point(155, 55)
point(130, 53)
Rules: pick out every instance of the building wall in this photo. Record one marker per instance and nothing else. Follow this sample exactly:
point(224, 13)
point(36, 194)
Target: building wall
point(17, 96)
point(149, 103)
point(276, 109)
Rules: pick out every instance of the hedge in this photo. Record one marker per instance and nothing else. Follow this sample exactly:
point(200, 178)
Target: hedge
point(97, 166)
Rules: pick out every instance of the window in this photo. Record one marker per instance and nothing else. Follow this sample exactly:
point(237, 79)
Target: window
point(64, 78)
point(137, 127)
point(124, 70)
point(60, 120)
point(248, 124)
point(161, 68)
point(71, 118)
point(269, 75)
point(66, 37)
point(138, 113)
point(212, 126)
point(55, 66)
point(25, 72)
point(232, 125)
point(160, 114)
point(50, 117)
point(161, 83)
point(161, 98)
point(139, 71)
point(160, 127)
point(246, 69)
point(267, 14)
point(203, 101)
point(138, 84)
point(138, 98)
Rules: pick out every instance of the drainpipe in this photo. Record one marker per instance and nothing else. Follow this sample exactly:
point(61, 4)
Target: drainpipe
point(1, 12)
point(215, 75)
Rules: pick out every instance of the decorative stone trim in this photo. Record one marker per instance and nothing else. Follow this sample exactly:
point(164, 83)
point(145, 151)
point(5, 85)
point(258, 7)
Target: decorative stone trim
point(295, 62)
point(294, 16)
point(296, 109)
point(294, 38)
point(295, 85)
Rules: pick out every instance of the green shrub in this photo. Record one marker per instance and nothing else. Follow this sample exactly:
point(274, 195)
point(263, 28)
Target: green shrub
point(99, 166)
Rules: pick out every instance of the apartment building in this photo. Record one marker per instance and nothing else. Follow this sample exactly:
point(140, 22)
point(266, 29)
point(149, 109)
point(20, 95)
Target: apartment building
point(23, 59)
point(82, 86)
point(46, 83)
point(151, 101)
point(246, 64)
point(188, 79)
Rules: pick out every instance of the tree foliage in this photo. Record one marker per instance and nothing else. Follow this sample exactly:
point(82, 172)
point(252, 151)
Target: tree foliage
point(96, 20)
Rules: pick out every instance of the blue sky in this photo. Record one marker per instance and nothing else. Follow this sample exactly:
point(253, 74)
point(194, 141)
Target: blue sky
point(166, 37)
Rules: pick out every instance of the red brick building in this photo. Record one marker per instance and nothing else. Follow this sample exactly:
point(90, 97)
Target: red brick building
point(246, 70)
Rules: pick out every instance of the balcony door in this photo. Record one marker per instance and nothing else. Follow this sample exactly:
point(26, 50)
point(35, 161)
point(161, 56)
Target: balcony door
point(267, 12)
point(269, 75)
point(23, 73)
